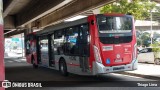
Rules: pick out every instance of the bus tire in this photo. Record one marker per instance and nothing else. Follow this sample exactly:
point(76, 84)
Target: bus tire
point(63, 68)
point(34, 64)
point(157, 61)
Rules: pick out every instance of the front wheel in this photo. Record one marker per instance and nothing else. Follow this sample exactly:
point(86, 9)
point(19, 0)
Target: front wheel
point(63, 68)
point(157, 61)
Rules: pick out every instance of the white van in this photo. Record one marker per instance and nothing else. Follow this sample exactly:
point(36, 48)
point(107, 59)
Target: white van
point(147, 55)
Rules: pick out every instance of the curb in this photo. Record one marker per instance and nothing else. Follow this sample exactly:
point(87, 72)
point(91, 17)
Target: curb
point(140, 75)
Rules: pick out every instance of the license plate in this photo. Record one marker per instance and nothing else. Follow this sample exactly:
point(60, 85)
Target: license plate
point(107, 48)
point(118, 60)
point(118, 68)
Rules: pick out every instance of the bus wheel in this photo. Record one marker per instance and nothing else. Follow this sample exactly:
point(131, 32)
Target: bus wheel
point(157, 61)
point(63, 68)
point(34, 64)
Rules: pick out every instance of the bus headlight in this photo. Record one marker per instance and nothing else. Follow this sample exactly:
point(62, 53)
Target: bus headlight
point(97, 54)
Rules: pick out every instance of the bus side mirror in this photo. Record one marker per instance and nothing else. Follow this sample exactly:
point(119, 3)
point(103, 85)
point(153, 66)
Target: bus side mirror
point(92, 22)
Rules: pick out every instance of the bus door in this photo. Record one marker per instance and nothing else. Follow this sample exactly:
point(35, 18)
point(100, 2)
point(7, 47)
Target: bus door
point(84, 47)
point(44, 50)
point(57, 45)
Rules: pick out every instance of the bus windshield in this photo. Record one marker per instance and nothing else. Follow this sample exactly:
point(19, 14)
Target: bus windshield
point(115, 29)
point(114, 24)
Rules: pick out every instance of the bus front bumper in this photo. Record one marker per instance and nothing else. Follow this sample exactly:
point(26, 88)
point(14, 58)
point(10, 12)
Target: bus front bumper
point(99, 68)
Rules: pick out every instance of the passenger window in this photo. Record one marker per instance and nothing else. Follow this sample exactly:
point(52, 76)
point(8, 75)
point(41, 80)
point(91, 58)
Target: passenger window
point(58, 40)
point(71, 41)
point(44, 45)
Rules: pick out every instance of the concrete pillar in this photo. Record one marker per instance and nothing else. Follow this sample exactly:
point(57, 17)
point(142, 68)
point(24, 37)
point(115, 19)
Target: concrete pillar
point(29, 30)
point(96, 11)
point(2, 73)
point(9, 22)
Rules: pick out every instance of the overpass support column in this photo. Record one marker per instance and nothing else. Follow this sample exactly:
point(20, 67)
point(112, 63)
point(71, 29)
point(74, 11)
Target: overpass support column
point(29, 31)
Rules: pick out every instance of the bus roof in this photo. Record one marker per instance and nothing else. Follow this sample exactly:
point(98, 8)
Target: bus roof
point(50, 29)
point(62, 25)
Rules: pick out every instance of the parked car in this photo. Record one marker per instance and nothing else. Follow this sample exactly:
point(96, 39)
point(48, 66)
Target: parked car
point(148, 56)
point(158, 39)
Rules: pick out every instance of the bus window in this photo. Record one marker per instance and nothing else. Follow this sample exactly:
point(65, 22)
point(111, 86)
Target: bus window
point(71, 41)
point(58, 40)
point(44, 45)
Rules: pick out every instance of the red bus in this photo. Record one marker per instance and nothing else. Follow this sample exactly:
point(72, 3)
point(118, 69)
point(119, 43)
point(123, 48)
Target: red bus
point(94, 45)
point(2, 73)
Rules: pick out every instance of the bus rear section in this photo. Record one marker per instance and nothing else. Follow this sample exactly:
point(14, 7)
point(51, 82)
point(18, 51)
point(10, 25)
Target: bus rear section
point(115, 44)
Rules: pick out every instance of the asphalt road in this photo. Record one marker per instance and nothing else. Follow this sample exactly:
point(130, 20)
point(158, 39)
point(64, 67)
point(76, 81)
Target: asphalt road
point(19, 70)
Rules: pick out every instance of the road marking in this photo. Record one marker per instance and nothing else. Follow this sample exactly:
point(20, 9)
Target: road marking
point(17, 60)
point(9, 61)
point(116, 74)
point(23, 59)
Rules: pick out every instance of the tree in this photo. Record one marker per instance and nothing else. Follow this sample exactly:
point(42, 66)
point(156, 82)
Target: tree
point(156, 35)
point(156, 50)
point(145, 37)
point(138, 8)
point(156, 13)
point(139, 42)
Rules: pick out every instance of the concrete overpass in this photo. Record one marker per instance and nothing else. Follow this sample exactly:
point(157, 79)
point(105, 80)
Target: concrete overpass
point(158, 1)
point(24, 15)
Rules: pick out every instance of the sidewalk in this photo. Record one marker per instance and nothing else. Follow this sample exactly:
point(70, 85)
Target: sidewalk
point(149, 71)
point(13, 55)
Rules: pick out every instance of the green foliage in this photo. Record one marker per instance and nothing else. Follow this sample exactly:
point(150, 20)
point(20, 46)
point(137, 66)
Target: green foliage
point(145, 38)
point(157, 8)
point(138, 8)
point(156, 49)
point(139, 42)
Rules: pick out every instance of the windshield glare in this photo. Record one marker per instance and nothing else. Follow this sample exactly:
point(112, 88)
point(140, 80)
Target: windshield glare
point(114, 24)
